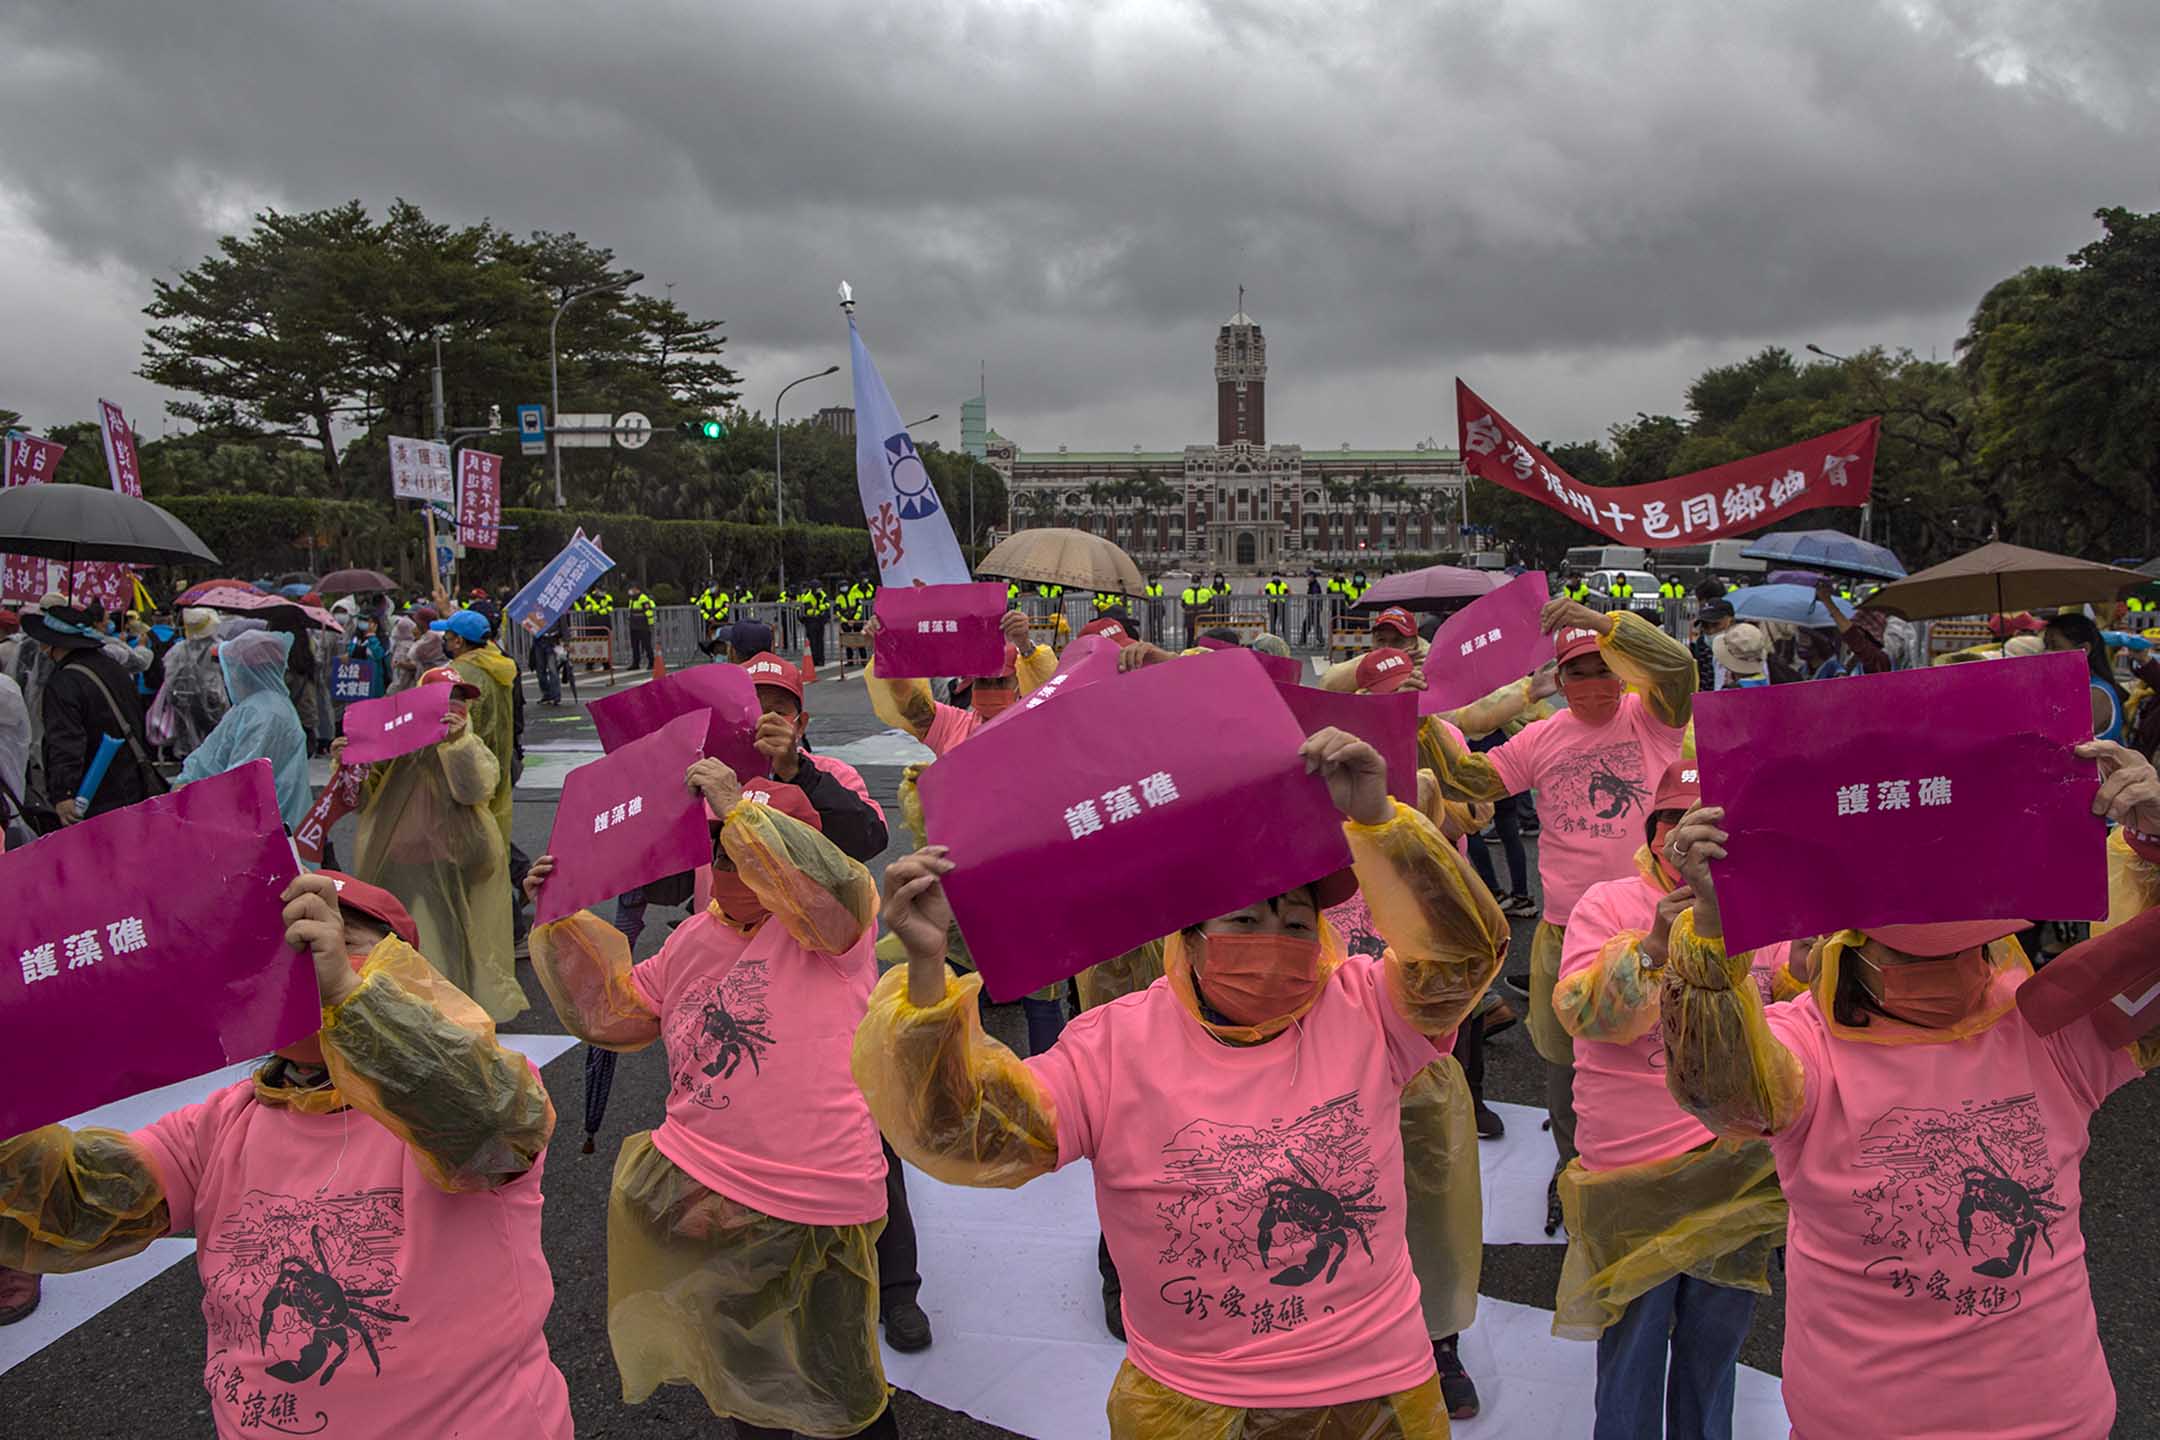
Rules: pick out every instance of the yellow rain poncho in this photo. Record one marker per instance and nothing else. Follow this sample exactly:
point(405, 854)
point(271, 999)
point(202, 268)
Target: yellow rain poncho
point(963, 1108)
point(774, 1321)
point(494, 721)
point(405, 1050)
point(428, 837)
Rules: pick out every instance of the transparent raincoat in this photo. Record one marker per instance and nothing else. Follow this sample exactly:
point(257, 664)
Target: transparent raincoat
point(261, 723)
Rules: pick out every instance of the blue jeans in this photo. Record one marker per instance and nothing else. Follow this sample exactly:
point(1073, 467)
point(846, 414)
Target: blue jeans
point(544, 666)
point(1673, 1357)
point(1045, 1022)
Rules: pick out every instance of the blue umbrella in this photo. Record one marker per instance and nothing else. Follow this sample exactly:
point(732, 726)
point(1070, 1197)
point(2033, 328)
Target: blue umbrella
point(1793, 604)
point(1826, 550)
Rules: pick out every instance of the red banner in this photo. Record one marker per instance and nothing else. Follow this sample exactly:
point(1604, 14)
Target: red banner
point(119, 449)
point(479, 499)
point(339, 798)
point(30, 461)
point(1720, 503)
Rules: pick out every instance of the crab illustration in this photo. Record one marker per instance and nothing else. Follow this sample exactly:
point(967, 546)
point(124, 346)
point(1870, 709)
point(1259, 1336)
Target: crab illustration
point(329, 1307)
point(2025, 1211)
point(1619, 793)
point(1331, 1220)
point(737, 1040)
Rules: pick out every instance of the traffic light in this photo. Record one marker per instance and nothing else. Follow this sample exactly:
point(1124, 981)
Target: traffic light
point(705, 429)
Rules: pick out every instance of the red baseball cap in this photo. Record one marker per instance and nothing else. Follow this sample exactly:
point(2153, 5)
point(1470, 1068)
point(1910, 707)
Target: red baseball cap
point(461, 687)
point(1383, 671)
point(1573, 640)
point(375, 903)
point(1680, 788)
point(766, 668)
point(788, 799)
point(1944, 937)
point(1397, 618)
point(1106, 625)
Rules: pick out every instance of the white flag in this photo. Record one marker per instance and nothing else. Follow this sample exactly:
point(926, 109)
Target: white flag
point(909, 529)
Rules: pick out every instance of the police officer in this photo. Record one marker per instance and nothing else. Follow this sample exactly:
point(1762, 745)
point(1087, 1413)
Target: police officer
point(642, 611)
point(1314, 593)
point(1153, 593)
point(1277, 591)
point(816, 605)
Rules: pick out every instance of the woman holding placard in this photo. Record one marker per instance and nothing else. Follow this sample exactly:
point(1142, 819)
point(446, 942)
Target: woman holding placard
point(1241, 1120)
point(1928, 1139)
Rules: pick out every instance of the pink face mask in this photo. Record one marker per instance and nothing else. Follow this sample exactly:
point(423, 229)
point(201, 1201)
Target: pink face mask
point(1594, 701)
point(1252, 979)
point(1935, 993)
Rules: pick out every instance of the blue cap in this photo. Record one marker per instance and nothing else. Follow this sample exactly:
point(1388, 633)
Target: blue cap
point(466, 625)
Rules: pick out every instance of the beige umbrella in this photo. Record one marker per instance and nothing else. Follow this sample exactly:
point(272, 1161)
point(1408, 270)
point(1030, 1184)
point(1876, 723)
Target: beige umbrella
point(1072, 558)
point(1999, 579)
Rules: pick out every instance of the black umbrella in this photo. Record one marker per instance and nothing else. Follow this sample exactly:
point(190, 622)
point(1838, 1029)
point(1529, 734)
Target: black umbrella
point(89, 522)
point(599, 1080)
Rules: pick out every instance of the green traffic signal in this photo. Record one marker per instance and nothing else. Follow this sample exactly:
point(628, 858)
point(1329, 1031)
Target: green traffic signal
point(714, 430)
point(704, 429)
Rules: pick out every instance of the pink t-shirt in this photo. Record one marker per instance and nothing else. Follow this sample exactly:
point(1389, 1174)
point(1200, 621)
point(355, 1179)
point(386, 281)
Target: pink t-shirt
point(949, 725)
point(847, 775)
point(761, 1104)
point(1936, 1264)
point(1593, 785)
point(1252, 1196)
point(343, 1293)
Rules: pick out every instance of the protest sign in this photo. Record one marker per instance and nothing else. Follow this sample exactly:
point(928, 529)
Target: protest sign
point(560, 582)
point(420, 470)
point(2114, 977)
point(352, 678)
point(120, 461)
point(397, 724)
point(1388, 723)
point(1282, 669)
point(479, 499)
point(30, 461)
point(339, 798)
point(909, 530)
point(1726, 500)
point(726, 691)
point(155, 950)
point(625, 819)
point(1906, 798)
point(1089, 660)
point(1489, 642)
point(1168, 798)
point(928, 630)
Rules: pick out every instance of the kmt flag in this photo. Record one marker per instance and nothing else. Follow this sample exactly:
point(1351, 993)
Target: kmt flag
point(119, 449)
point(909, 529)
point(1724, 501)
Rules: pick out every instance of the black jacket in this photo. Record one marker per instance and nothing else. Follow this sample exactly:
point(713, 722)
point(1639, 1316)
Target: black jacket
point(853, 827)
point(77, 716)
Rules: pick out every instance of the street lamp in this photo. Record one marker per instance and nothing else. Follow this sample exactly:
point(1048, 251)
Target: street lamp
point(779, 495)
point(924, 421)
point(1818, 350)
point(621, 282)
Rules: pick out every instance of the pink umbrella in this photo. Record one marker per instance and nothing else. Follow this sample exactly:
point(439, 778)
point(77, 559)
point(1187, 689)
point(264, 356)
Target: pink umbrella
point(1435, 588)
point(250, 602)
point(194, 592)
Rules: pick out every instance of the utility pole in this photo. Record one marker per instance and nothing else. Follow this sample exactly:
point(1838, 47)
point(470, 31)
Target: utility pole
point(427, 507)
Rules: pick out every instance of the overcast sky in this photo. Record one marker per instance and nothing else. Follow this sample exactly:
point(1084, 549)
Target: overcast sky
point(1574, 204)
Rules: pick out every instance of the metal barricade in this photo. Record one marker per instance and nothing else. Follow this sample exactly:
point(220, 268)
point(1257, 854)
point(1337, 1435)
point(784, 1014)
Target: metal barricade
point(592, 646)
point(678, 631)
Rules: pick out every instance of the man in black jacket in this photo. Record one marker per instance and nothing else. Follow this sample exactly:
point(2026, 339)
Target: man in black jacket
point(87, 698)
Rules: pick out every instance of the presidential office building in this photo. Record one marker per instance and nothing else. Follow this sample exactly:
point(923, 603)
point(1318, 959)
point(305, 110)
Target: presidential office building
point(1240, 504)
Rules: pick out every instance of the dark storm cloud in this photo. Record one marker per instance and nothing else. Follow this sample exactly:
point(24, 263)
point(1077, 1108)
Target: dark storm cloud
point(1580, 201)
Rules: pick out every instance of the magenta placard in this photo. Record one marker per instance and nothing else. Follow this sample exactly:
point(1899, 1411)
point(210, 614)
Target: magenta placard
point(154, 952)
point(1282, 669)
point(1388, 723)
point(724, 690)
point(1491, 641)
point(625, 819)
point(1089, 660)
point(1168, 798)
point(931, 630)
point(1917, 796)
point(397, 724)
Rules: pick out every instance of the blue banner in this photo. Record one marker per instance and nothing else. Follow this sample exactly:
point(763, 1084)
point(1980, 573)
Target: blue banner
point(352, 679)
point(559, 584)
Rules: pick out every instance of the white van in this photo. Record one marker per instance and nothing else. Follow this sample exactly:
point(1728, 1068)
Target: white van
point(1585, 558)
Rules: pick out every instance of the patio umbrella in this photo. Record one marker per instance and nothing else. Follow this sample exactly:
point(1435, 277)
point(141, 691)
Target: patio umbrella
point(1793, 604)
point(1436, 588)
point(1072, 558)
point(189, 595)
point(1996, 579)
point(354, 582)
point(89, 522)
point(1826, 550)
point(236, 601)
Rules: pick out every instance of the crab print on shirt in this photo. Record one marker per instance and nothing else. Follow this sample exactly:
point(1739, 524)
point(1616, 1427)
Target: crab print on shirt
point(718, 1033)
point(1964, 1199)
point(1271, 1208)
point(306, 1290)
point(1604, 790)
